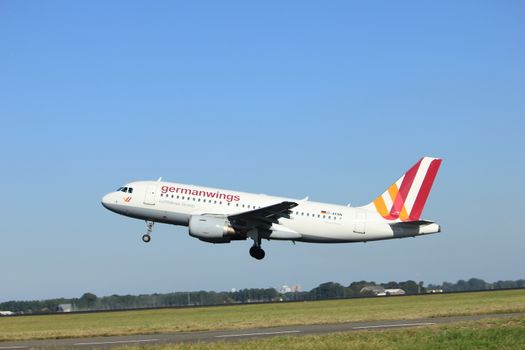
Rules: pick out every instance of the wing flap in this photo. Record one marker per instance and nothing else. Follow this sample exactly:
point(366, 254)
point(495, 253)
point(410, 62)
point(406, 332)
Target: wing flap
point(265, 215)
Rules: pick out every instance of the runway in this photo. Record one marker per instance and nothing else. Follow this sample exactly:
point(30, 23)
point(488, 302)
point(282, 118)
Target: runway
point(210, 336)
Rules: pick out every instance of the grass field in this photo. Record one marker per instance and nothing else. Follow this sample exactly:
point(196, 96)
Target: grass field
point(260, 315)
point(486, 334)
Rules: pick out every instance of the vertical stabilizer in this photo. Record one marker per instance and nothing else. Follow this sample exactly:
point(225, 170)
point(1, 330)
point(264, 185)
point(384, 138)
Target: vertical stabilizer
point(405, 199)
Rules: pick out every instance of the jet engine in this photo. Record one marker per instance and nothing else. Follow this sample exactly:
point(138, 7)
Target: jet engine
point(213, 229)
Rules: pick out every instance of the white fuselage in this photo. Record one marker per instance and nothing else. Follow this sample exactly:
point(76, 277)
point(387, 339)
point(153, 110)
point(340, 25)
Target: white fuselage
point(174, 203)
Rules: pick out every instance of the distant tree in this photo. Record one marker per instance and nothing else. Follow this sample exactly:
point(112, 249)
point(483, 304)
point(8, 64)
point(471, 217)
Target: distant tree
point(87, 300)
point(449, 287)
point(462, 285)
point(323, 291)
point(253, 295)
point(410, 287)
point(390, 285)
point(477, 284)
point(505, 284)
point(421, 287)
point(434, 286)
point(297, 296)
point(329, 290)
point(354, 289)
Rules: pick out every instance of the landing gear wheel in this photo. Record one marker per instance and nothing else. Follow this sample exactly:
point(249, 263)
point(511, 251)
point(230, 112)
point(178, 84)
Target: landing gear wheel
point(257, 252)
point(147, 237)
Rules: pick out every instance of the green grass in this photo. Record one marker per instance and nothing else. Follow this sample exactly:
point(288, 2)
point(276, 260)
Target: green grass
point(486, 334)
point(261, 315)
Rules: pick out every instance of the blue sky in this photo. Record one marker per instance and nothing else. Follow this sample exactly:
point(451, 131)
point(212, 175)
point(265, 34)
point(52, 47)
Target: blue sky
point(334, 100)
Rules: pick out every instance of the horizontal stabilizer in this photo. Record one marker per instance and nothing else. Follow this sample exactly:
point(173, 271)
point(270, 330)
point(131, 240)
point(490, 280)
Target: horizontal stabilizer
point(414, 228)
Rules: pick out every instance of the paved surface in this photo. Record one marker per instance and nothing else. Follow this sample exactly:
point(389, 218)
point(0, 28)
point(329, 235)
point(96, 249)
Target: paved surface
point(166, 338)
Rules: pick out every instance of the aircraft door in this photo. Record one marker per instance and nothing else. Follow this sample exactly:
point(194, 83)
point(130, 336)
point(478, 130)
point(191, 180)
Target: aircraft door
point(151, 194)
point(360, 222)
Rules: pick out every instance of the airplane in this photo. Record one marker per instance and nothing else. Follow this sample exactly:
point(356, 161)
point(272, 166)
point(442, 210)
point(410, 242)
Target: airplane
point(221, 216)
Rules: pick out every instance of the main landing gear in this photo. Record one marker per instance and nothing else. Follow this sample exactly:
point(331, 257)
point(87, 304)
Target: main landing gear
point(147, 237)
point(256, 251)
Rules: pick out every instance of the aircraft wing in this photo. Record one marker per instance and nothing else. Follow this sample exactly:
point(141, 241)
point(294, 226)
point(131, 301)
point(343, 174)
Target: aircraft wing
point(263, 216)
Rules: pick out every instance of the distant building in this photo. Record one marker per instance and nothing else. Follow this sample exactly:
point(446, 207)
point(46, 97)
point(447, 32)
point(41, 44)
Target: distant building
point(380, 291)
point(433, 291)
point(285, 289)
point(392, 292)
point(372, 290)
point(296, 288)
point(64, 308)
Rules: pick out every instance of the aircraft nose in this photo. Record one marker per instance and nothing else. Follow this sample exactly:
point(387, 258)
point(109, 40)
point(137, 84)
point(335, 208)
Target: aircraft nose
point(107, 201)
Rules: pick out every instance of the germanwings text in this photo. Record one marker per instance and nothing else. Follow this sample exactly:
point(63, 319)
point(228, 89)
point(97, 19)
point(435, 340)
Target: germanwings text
point(209, 194)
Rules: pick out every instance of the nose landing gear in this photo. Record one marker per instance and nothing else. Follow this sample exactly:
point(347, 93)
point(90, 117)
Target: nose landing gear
point(147, 237)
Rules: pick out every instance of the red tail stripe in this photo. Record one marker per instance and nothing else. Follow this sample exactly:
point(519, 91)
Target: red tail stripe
point(422, 196)
point(403, 191)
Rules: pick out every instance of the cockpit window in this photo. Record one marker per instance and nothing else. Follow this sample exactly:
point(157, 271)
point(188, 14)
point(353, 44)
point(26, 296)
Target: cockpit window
point(125, 189)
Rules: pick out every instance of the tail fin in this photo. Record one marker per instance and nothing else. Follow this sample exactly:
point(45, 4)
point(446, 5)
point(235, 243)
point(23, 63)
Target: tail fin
point(406, 198)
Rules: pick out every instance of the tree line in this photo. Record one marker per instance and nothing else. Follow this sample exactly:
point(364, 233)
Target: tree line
point(328, 290)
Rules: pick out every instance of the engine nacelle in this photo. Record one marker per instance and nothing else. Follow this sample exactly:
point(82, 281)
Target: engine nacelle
point(212, 229)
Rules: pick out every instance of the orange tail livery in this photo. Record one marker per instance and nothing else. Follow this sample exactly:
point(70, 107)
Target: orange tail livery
point(405, 199)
